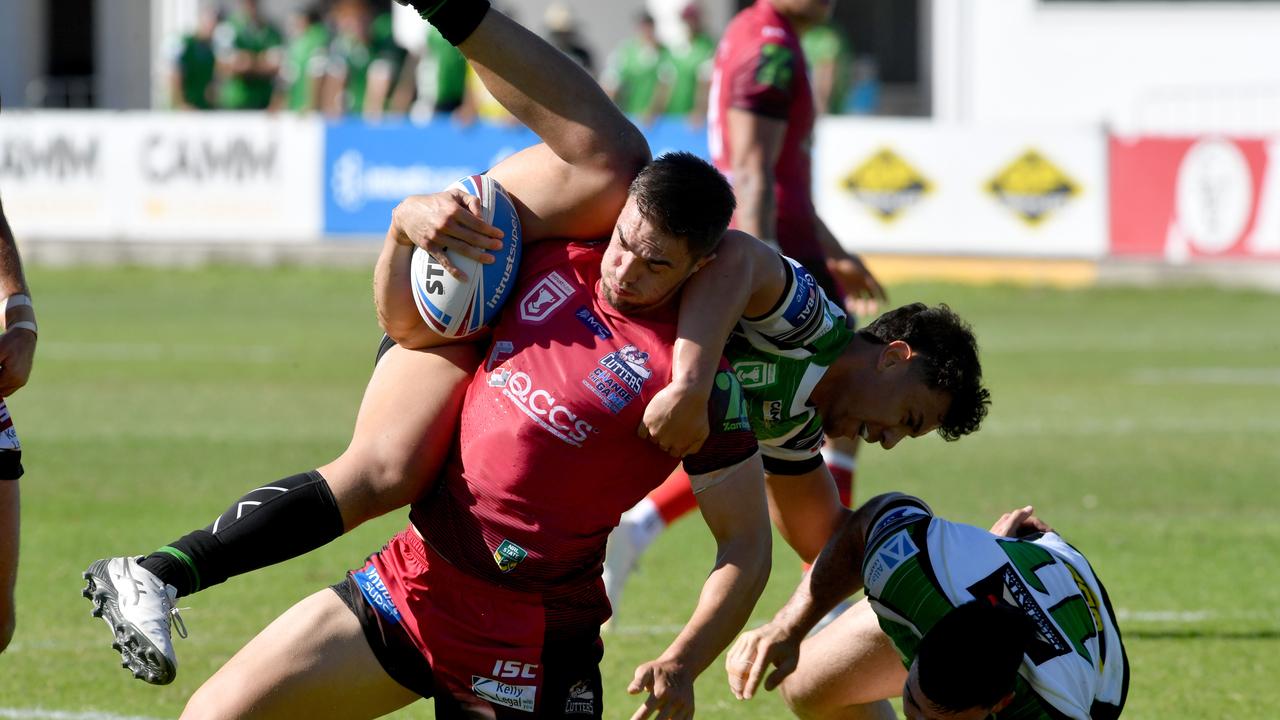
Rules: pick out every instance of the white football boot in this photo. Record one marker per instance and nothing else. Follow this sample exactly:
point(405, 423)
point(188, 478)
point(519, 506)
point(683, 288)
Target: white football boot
point(138, 607)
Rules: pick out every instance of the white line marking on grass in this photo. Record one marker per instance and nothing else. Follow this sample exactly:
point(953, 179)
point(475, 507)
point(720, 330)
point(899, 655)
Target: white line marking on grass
point(116, 351)
point(1175, 617)
point(1207, 376)
point(38, 713)
point(1130, 426)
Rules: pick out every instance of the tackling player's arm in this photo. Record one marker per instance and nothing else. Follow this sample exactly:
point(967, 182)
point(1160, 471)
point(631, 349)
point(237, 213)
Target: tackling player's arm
point(736, 511)
point(727, 477)
point(836, 574)
point(746, 279)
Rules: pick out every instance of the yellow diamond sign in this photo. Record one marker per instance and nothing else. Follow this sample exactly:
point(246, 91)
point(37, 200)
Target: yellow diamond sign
point(1032, 187)
point(887, 184)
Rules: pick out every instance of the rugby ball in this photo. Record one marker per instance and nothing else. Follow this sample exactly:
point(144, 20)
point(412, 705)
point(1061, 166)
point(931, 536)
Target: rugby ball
point(455, 308)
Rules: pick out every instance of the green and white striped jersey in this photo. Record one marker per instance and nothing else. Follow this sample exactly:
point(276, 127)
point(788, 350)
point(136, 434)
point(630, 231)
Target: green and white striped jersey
point(919, 567)
point(778, 359)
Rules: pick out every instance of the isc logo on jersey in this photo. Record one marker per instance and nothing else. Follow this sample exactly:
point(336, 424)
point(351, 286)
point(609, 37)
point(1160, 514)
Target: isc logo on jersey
point(455, 308)
point(541, 406)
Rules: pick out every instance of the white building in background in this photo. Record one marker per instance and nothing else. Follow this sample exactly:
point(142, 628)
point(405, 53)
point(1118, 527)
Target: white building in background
point(1138, 64)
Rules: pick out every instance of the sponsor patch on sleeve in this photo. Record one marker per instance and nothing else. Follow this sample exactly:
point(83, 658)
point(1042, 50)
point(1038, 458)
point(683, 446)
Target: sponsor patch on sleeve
point(888, 557)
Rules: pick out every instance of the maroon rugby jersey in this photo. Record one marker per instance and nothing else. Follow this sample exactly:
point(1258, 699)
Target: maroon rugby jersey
point(547, 456)
point(760, 68)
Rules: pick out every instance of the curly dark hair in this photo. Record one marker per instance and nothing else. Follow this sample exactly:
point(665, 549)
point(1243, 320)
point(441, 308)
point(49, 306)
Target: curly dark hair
point(949, 360)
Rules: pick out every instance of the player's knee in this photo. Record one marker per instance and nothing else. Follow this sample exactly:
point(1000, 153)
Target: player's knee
point(803, 702)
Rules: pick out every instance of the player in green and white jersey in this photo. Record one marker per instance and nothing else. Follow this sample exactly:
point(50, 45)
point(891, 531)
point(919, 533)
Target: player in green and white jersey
point(962, 622)
point(805, 375)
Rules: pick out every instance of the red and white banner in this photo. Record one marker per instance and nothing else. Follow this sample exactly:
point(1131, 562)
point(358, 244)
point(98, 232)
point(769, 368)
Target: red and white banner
point(1194, 199)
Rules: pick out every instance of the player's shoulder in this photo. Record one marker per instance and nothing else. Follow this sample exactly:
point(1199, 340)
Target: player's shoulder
point(545, 255)
point(894, 513)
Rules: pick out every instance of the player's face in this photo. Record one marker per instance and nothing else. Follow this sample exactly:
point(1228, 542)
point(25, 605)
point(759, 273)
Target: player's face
point(915, 706)
point(890, 403)
point(643, 268)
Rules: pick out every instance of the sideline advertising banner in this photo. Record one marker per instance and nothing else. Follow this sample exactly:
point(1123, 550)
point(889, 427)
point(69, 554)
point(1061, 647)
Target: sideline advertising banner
point(57, 171)
point(232, 176)
point(1186, 199)
point(915, 187)
point(370, 168)
point(161, 176)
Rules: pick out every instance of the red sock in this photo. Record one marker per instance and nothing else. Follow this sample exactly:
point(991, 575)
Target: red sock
point(674, 497)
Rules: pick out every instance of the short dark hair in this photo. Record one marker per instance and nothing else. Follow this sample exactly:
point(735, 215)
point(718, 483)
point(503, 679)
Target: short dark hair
point(970, 658)
point(949, 360)
point(681, 194)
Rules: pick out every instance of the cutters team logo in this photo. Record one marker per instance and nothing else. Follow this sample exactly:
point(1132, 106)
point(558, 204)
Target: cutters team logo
point(619, 377)
point(544, 298)
point(582, 700)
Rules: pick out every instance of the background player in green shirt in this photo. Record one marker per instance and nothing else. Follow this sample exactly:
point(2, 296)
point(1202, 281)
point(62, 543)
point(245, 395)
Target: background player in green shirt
point(686, 69)
point(249, 53)
point(304, 62)
point(830, 59)
point(193, 66)
point(963, 623)
point(631, 75)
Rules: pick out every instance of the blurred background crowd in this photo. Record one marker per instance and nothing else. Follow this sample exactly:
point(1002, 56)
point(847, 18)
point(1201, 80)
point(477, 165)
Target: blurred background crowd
point(343, 57)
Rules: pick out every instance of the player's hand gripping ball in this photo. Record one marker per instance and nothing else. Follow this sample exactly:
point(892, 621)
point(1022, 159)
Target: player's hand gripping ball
point(459, 308)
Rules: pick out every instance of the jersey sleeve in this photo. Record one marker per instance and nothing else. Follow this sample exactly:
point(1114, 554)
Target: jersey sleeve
point(894, 516)
point(764, 84)
point(797, 454)
point(731, 440)
point(803, 322)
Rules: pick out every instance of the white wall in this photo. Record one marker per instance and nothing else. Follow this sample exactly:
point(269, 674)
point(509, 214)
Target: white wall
point(22, 48)
point(122, 37)
point(1140, 65)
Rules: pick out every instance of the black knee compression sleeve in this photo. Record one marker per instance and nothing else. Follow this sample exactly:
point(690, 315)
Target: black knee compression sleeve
point(268, 525)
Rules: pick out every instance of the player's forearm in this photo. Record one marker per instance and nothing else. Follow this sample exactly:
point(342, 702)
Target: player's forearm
point(728, 596)
point(738, 282)
point(757, 211)
point(393, 291)
point(12, 280)
point(553, 96)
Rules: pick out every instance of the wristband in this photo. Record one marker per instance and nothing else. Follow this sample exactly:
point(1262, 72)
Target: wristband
point(455, 19)
point(16, 300)
point(23, 325)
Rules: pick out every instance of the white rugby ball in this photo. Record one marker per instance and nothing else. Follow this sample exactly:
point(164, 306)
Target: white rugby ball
point(455, 308)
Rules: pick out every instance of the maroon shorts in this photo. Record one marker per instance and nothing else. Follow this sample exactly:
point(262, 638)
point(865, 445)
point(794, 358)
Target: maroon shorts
point(480, 650)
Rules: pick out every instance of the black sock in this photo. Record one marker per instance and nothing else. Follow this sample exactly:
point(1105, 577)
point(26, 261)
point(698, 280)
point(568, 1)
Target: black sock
point(268, 525)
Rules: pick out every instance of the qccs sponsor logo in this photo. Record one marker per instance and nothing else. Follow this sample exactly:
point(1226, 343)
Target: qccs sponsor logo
point(546, 410)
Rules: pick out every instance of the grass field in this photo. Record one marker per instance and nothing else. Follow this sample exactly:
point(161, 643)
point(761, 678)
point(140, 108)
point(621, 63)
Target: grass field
point(1144, 424)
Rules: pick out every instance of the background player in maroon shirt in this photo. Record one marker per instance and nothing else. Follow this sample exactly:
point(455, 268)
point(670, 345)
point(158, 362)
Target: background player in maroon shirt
point(518, 523)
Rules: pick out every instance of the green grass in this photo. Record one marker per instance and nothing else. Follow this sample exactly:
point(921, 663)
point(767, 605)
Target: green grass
point(160, 396)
